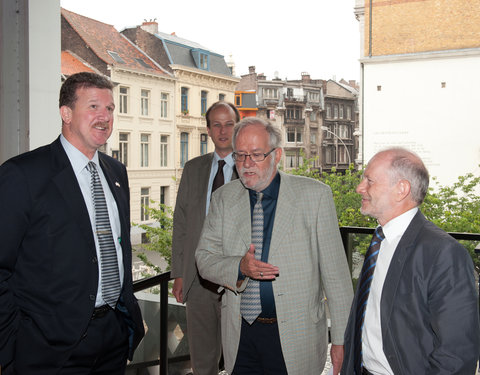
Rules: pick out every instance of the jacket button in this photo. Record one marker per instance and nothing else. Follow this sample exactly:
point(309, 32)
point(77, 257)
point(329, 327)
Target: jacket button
point(94, 260)
point(92, 297)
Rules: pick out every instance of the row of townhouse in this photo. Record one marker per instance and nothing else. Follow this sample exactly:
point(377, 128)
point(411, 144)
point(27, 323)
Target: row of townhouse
point(318, 118)
point(163, 86)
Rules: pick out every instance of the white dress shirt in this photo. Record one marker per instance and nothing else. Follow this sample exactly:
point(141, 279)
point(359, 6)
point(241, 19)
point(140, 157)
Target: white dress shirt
point(227, 174)
point(79, 163)
point(374, 359)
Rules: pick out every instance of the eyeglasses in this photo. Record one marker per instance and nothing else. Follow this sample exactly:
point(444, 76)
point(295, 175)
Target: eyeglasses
point(255, 157)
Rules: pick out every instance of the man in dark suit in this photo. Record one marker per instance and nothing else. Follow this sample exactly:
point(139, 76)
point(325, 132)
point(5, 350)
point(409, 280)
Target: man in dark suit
point(66, 298)
point(200, 177)
point(418, 314)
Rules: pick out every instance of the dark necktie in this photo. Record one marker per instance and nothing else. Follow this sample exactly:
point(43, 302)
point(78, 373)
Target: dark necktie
point(219, 180)
point(250, 304)
point(363, 291)
point(108, 254)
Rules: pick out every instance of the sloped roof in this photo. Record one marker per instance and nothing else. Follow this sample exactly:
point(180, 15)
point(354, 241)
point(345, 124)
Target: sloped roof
point(109, 45)
point(182, 51)
point(72, 64)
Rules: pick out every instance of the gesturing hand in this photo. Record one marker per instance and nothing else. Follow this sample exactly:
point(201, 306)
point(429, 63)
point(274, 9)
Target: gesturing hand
point(256, 269)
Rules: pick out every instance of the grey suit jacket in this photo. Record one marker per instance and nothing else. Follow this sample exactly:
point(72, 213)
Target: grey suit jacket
point(429, 306)
point(188, 218)
point(307, 248)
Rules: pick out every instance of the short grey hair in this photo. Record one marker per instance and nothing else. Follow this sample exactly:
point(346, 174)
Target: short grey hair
point(406, 165)
point(275, 135)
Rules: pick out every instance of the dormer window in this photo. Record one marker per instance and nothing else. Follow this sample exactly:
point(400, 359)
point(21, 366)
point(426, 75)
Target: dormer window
point(202, 58)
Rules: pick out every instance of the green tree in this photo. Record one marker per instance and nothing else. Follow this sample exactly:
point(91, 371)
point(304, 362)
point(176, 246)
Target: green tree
point(454, 208)
point(159, 235)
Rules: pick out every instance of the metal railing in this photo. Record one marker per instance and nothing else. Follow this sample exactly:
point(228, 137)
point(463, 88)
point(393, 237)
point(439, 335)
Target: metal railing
point(163, 279)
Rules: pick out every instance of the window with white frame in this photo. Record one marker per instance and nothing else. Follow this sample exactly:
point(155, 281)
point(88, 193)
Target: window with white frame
point(163, 150)
point(313, 116)
point(144, 203)
point(342, 111)
point(123, 100)
point(183, 149)
point(270, 93)
point(343, 131)
point(292, 160)
point(335, 111)
point(313, 138)
point(293, 113)
point(144, 149)
point(145, 102)
point(123, 148)
point(294, 135)
point(329, 111)
point(349, 112)
point(164, 105)
point(343, 154)
point(313, 96)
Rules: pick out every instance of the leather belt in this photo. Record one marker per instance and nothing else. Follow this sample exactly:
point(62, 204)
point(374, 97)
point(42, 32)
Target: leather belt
point(266, 320)
point(100, 312)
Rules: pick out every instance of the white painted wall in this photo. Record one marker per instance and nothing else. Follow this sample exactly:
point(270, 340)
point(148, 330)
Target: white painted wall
point(412, 110)
point(44, 41)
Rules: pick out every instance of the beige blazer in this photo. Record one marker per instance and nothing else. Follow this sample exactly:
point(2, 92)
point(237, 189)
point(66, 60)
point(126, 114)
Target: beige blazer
point(307, 248)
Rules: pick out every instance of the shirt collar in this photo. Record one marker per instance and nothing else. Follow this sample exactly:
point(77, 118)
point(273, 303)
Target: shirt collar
point(228, 159)
point(76, 157)
point(397, 226)
point(271, 191)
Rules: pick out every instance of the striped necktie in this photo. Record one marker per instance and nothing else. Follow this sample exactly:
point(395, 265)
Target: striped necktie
point(363, 292)
point(250, 305)
point(108, 254)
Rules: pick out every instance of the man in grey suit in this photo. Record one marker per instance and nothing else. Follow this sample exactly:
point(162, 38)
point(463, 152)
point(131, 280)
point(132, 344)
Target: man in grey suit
point(273, 308)
point(200, 177)
point(421, 306)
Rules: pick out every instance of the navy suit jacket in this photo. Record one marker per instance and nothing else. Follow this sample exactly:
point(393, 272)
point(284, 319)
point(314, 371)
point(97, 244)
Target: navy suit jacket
point(429, 306)
point(48, 263)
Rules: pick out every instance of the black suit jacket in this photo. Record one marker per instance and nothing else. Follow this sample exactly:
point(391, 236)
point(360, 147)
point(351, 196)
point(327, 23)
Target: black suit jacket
point(48, 264)
point(429, 306)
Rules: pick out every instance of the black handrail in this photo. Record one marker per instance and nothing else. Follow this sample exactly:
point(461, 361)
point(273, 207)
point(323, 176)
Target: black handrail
point(150, 282)
point(164, 278)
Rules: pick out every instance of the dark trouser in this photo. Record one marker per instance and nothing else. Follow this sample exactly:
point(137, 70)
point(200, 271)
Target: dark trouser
point(204, 328)
point(259, 350)
point(103, 348)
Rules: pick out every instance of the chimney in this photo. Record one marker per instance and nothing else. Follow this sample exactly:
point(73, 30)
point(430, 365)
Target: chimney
point(150, 26)
point(251, 69)
point(305, 77)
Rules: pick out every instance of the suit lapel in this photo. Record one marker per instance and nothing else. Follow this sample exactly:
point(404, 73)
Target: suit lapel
point(242, 217)
point(394, 273)
point(67, 185)
point(283, 214)
point(115, 188)
point(203, 175)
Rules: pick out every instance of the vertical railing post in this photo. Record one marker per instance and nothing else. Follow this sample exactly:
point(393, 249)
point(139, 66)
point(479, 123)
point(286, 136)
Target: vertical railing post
point(163, 327)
